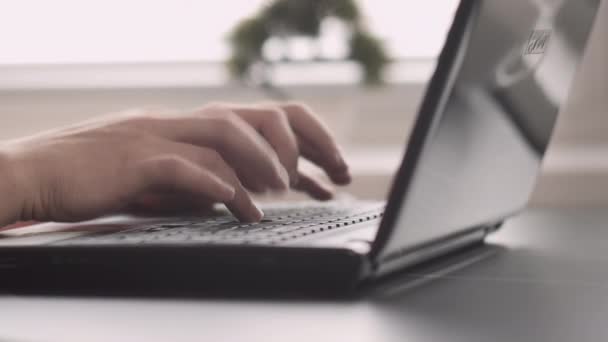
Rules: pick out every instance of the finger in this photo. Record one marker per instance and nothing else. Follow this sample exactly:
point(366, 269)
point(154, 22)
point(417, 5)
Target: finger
point(241, 205)
point(240, 144)
point(340, 177)
point(273, 124)
point(176, 174)
point(316, 142)
point(315, 188)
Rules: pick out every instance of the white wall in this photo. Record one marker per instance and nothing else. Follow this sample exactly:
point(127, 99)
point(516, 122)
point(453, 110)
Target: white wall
point(575, 173)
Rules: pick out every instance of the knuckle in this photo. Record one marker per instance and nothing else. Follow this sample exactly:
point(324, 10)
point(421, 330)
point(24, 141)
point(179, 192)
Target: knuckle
point(146, 114)
point(276, 114)
point(135, 113)
point(213, 160)
point(214, 108)
point(296, 107)
point(225, 122)
point(138, 120)
point(168, 166)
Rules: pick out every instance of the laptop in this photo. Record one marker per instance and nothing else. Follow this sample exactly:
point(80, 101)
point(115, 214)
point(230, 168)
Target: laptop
point(471, 162)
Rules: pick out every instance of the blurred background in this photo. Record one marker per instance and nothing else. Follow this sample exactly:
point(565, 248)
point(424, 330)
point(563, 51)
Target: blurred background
point(362, 65)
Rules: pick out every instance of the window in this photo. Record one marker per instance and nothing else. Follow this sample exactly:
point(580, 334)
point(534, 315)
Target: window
point(171, 53)
point(130, 31)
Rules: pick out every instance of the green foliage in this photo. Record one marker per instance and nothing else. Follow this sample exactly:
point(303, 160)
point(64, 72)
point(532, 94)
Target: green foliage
point(346, 10)
point(303, 17)
point(368, 51)
point(250, 34)
point(247, 40)
point(296, 17)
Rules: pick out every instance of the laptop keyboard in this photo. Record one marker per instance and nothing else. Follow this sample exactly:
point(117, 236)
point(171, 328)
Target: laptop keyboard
point(280, 225)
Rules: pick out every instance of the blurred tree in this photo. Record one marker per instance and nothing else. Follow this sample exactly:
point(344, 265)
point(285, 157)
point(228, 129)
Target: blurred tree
point(288, 18)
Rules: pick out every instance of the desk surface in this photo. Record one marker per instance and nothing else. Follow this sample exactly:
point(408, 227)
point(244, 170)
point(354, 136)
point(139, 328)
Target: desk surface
point(547, 280)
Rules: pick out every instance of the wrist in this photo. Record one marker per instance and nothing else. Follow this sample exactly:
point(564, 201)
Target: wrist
point(10, 194)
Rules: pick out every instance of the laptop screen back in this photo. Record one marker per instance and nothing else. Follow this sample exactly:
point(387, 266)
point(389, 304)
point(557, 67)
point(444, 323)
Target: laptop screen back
point(487, 118)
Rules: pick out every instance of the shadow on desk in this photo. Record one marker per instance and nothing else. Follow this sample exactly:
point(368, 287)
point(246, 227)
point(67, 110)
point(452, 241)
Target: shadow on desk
point(398, 284)
point(418, 277)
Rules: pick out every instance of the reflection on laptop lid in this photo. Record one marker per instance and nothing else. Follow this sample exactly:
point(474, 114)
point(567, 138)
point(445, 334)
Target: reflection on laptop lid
point(487, 118)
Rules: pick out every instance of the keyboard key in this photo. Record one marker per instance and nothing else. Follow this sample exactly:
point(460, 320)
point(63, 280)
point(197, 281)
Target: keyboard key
point(280, 225)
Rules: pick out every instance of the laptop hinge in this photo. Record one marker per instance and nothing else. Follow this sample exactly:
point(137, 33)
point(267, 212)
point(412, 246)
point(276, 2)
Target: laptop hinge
point(411, 256)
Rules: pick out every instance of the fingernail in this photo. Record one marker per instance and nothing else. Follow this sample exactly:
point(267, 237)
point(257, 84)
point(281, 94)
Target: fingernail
point(284, 177)
point(260, 214)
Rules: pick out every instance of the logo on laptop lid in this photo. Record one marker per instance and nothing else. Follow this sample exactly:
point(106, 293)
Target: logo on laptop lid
point(516, 65)
point(538, 42)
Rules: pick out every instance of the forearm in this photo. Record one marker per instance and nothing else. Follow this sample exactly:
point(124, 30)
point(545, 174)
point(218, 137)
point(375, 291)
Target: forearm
point(10, 203)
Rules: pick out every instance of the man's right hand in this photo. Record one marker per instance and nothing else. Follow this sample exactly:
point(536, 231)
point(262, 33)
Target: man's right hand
point(217, 154)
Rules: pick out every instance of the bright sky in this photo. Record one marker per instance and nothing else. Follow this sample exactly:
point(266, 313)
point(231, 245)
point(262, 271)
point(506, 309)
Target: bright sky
point(90, 31)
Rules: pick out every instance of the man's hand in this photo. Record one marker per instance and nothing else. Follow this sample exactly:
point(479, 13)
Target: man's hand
point(217, 154)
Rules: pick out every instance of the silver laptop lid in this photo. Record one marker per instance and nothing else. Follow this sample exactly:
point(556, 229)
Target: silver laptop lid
point(487, 118)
